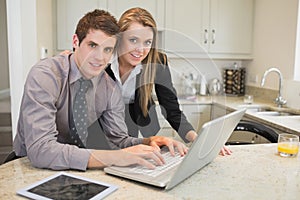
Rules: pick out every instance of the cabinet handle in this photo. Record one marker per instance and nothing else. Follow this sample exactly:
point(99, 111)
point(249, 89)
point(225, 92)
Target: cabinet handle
point(205, 36)
point(193, 113)
point(213, 36)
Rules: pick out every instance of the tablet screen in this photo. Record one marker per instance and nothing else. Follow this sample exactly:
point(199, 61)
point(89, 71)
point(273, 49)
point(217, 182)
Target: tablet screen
point(67, 186)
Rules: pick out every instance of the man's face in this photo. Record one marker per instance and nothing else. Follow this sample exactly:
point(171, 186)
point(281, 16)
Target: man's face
point(93, 53)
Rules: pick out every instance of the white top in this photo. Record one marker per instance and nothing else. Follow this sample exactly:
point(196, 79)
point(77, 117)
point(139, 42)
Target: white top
point(129, 86)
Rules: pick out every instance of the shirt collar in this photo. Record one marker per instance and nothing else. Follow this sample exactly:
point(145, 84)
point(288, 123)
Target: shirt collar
point(74, 71)
point(75, 74)
point(115, 68)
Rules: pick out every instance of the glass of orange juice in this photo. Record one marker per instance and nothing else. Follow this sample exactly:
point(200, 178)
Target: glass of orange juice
point(288, 145)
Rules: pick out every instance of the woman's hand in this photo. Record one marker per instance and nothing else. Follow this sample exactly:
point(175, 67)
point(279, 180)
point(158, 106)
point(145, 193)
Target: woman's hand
point(158, 141)
point(225, 151)
point(192, 135)
point(65, 52)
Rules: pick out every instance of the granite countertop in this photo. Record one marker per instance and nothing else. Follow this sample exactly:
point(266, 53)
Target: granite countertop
point(251, 172)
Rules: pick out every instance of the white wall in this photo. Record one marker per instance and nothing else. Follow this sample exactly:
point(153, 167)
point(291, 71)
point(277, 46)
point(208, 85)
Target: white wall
point(22, 48)
point(29, 28)
point(274, 42)
point(45, 26)
point(275, 26)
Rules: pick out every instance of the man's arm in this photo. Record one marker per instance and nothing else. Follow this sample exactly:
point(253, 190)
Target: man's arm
point(38, 116)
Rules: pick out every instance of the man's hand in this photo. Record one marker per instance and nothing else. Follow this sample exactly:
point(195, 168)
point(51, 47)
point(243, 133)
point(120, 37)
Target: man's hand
point(124, 157)
point(158, 141)
point(142, 149)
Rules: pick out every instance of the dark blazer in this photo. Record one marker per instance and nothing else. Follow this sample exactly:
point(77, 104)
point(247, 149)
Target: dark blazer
point(167, 98)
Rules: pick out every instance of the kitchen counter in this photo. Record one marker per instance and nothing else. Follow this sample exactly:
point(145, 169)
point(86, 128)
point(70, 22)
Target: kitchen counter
point(289, 124)
point(251, 172)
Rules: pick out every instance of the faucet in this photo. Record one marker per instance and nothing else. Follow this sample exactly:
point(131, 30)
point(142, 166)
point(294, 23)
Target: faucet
point(280, 101)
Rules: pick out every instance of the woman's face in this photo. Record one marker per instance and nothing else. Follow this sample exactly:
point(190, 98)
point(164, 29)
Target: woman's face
point(135, 44)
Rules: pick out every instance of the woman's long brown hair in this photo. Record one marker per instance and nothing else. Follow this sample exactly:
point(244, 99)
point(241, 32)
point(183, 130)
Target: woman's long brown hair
point(143, 17)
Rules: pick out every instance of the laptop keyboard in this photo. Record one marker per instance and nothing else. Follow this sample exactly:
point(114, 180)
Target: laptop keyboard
point(170, 161)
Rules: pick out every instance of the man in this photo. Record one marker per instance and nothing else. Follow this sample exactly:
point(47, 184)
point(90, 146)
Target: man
point(49, 131)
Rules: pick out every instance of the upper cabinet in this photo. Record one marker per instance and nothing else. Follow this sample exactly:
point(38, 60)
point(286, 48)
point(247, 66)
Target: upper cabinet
point(70, 11)
point(68, 14)
point(214, 28)
point(155, 7)
point(190, 28)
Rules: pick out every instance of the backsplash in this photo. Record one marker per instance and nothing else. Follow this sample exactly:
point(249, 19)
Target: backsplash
point(261, 93)
point(190, 71)
point(290, 92)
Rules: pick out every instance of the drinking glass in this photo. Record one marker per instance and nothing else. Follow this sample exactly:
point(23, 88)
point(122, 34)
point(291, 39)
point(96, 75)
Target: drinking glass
point(248, 99)
point(288, 145)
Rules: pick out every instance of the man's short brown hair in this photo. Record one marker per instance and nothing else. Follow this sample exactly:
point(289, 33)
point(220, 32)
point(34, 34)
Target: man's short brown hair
point(96, 20)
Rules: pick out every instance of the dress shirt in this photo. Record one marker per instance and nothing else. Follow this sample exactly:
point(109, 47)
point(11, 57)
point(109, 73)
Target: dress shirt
point(43, 132)
point(129, 86)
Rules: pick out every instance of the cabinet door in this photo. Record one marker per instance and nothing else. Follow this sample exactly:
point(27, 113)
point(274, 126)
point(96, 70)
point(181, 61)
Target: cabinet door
point(184, 26)
point(155, 7)
point(231, 24)
point(165, 128)
point(197, 114)
point(218, 28)
point(68, 14)
point(218, 111)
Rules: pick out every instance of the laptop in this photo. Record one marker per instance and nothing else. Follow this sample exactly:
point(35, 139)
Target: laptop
point(206, 147)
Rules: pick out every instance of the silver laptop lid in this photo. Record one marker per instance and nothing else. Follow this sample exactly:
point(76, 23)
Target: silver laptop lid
point(211, 138)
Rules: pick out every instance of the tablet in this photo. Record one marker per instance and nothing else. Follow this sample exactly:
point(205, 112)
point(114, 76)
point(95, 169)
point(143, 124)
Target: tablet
point(67, 186)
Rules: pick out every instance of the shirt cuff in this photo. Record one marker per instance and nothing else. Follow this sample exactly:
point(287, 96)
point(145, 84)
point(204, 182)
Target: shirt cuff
point(79, 159)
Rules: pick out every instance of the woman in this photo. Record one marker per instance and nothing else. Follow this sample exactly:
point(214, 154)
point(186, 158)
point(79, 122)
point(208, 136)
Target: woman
point(138, 66)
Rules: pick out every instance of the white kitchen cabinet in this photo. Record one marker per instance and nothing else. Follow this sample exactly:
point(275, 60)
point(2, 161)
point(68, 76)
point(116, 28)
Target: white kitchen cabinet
point(155, 7)
point(197, 115)
point(218, 111)
point(221, 28)
point(70, 11)
point(68, 14)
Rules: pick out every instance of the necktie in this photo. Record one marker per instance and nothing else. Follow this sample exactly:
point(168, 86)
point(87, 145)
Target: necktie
point(80, 114)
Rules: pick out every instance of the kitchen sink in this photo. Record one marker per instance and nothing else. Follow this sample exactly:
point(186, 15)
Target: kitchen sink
point(275, 113)
point(271, 111)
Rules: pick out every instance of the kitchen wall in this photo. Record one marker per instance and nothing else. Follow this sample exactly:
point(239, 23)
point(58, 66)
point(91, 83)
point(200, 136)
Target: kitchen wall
point(45, 23)
point(274, 42)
